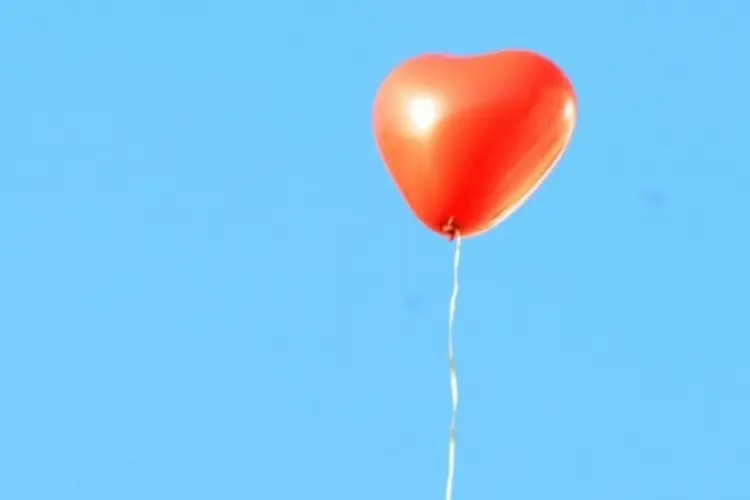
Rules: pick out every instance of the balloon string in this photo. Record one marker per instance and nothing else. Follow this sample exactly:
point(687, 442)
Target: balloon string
point(453, 376)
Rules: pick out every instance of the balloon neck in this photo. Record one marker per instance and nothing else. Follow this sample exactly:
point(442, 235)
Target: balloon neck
point(450, 229)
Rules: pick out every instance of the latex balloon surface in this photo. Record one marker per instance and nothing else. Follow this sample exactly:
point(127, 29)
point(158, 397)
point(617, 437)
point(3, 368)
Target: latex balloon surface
point(469, 139)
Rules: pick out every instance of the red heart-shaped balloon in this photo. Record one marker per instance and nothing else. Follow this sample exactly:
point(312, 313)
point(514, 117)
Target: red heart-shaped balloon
point(469, 139)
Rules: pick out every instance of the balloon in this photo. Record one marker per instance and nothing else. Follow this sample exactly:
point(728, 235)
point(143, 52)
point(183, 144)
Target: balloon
point(468, 139)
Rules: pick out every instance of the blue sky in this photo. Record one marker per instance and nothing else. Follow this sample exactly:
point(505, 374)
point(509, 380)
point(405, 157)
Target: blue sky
point(210, 289)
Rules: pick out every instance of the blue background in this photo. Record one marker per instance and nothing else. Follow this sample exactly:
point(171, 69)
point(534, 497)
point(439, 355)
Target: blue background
point(210, 289)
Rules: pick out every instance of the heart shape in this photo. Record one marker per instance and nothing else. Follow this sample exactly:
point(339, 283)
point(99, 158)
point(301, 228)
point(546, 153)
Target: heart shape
point(467, 140)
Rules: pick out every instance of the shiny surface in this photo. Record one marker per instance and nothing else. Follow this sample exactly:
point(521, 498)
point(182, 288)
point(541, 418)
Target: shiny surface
point(468, 139)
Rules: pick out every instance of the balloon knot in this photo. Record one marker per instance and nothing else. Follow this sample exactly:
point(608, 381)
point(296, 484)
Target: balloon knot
point(450, 229)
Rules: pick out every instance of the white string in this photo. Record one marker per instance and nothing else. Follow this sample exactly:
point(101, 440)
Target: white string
point(453, 376)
